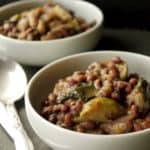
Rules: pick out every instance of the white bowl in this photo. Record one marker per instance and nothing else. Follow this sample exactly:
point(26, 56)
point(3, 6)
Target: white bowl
point(42, 52)
point(63, 139)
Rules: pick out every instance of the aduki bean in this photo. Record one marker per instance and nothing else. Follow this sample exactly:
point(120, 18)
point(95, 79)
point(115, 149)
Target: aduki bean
point(53, 118)
point(128, 89)
point(75, 109)
point(72, 82)
point(115, 95)
point(133, 111)
point(64, 108)
point(98, 83)
point(80, 129)
point(117, 60)
point(68, 120)
point(56, 108)
point(79, 78)
point(60, 117)
point(114, 73)
point(88, 125)
point(133, 81)
point(146, 123)
point(120, 84)
point(91, 77)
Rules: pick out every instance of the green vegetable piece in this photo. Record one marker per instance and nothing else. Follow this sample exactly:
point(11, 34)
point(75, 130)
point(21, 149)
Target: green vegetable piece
point(83, 91)
point(86, 91)
point(100, 109)
point(123, 70)
point(70, 95)
point(140, 95)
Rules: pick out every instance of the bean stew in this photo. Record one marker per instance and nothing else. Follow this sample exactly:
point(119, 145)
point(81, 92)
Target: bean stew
point(48, 22)
point(103, 99)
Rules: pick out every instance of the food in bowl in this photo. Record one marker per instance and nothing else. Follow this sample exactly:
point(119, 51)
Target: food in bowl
point(103, 99)
point(59, 138)
point(48, 22)
point(39, 53)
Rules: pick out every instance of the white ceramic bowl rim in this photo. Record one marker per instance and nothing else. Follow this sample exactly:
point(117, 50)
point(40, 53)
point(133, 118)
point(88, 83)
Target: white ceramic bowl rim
point(98, 23)
point(44, 121)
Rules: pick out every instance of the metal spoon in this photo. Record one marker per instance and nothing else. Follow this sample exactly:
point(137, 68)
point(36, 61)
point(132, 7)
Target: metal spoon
point(12, 85)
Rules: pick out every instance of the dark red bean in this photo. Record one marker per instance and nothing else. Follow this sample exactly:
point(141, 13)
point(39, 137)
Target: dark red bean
point(64, 108)
point(80, 78)
point(114, 73)
point(146, 123)
point(71, 81)
point(60, 117)
point(84, 26)
point(137, 126)
point(47, 110)
point(91, 77)
point(148, 119)
point(133, 81)
point(134, 110)
point(76, 109)
point(103, 94)
point(1, 28)
point(64, 32)
point(68, 120)
point(14, 30)
point(128, 89)
point(56, 108)
point(7, 26)
point(68, 102)
point(110, 65)
point(88, 125)
point(117, 60)
point(98, 83)
point(53, 118)
point(120, 84)
point(115, 96)
point(72, 103)
point(80, 129)
point(103, 65)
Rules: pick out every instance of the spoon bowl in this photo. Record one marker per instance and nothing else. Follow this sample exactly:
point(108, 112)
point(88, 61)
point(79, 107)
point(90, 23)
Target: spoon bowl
point(13, 80)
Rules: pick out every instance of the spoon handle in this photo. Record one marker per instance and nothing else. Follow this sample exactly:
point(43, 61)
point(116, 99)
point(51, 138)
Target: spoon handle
point(4, 122)
point(11, 131)
point(21, 139)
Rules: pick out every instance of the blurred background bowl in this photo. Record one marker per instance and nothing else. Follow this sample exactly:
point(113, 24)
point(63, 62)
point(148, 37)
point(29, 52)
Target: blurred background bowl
point(42, 52)
point(63, 139)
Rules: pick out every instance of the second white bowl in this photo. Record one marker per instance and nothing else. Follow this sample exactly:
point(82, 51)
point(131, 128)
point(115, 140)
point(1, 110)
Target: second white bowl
point(42, 52)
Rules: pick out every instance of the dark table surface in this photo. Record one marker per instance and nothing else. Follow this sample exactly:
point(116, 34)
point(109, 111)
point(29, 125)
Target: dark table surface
point(126, 35)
